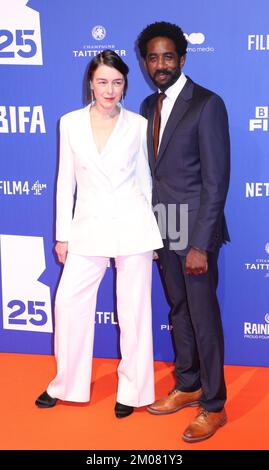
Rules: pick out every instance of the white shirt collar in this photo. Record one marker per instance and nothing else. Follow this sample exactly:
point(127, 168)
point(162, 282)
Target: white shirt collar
point(173, 91)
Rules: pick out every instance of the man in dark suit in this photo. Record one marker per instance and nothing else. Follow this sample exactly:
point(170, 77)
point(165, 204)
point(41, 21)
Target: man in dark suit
point(190, 164)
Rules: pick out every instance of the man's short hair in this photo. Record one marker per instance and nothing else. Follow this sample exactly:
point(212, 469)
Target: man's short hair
point(163, 29)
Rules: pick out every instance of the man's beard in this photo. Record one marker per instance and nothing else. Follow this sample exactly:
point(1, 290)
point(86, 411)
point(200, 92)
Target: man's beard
point(173, 78)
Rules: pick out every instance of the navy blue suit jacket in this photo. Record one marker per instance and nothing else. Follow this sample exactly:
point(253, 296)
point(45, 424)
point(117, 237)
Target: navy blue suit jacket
point(193, 164)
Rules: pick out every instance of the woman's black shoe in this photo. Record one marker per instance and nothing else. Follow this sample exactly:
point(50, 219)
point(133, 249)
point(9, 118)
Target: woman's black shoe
point(45, 401)
point(121, 411)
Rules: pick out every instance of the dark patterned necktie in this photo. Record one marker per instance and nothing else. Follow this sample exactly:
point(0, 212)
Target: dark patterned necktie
point(157, 123)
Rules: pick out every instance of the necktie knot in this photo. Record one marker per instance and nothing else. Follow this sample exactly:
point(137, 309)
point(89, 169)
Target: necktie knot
point(161, 97)
point(157, 122)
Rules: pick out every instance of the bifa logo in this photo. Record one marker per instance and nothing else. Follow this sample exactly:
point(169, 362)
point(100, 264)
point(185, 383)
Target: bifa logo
point(261, 119)
point(20, 35)
point(22, 119)
point(26, 300)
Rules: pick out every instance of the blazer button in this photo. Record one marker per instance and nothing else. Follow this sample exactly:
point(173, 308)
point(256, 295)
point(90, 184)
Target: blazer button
point(157, 178)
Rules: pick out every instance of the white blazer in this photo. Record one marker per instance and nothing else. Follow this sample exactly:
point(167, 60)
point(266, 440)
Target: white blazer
point(111, 214)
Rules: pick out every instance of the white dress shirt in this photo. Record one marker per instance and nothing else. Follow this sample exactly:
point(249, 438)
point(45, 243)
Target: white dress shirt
point(171, 95)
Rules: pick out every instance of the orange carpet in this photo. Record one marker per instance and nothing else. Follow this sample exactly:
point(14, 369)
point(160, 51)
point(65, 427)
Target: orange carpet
point(94, 426)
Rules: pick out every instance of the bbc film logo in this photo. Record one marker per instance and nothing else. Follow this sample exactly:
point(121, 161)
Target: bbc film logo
point(196, 43)
point(98, 34)
point(260, 122)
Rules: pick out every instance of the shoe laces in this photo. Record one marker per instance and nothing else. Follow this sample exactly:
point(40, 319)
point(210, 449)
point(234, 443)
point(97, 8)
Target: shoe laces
point(173, 392)
point(203, 413)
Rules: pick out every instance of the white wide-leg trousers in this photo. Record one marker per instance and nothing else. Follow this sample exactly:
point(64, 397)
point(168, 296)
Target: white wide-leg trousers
point(75, 307)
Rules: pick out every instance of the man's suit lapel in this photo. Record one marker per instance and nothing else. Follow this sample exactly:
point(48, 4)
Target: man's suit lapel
point(180, 107)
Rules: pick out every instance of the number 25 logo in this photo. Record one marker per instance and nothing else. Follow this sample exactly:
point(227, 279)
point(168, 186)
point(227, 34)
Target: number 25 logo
point(21, 38)
point(32, 308)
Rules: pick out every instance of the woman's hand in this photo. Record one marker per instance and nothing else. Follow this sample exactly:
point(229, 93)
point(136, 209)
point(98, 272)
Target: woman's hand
point(61, 249)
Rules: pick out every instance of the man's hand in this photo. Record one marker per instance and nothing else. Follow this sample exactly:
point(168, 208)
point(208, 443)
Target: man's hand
point(196, 262)
point(61, 249)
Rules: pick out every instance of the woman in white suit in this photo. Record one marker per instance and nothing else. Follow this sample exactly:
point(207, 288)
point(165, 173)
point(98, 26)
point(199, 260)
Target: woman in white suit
point(103, 158)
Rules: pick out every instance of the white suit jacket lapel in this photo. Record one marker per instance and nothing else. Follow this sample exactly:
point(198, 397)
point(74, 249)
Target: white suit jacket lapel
point(112, 153)
point(86, 137)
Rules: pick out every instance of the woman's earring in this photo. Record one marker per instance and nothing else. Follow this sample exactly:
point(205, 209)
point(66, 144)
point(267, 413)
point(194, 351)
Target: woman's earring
point(122, 99)
point(92, 95)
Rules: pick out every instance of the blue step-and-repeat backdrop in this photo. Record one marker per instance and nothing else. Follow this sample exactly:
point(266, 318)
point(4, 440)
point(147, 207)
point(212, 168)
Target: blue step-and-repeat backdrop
point(45, 47)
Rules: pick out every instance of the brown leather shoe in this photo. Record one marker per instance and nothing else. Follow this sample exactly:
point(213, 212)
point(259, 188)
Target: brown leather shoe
point(175, 401)
point(204, 425)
